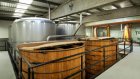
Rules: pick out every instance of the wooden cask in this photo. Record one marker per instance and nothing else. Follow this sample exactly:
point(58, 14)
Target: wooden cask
point(40, 53)
point(95, 56)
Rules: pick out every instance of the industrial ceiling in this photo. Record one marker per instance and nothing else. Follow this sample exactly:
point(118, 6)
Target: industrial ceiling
point(107, 7)
point(13, 9)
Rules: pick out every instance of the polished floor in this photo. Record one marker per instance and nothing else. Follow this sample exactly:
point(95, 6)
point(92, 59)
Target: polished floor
point(127, 68)
point(6, 68)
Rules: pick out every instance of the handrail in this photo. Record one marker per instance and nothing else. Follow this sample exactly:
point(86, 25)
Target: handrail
point(86, 52)
point(31, 67)
point(58, 36)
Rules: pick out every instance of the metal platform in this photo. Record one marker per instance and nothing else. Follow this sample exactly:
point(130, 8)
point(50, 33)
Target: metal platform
point(127, 68)
point(6, 68)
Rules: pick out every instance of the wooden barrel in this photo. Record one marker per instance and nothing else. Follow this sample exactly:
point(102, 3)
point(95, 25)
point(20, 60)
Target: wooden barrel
point(97, 55)
point(46, 52)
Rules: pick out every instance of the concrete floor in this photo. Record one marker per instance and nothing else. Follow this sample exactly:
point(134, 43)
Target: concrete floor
point(6, 68)
point(127, 68)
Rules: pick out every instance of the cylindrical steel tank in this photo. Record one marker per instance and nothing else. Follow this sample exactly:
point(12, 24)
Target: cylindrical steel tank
point(68, 29)
point(31, 30)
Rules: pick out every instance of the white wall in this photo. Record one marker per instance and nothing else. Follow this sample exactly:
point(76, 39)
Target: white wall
point(4, 25)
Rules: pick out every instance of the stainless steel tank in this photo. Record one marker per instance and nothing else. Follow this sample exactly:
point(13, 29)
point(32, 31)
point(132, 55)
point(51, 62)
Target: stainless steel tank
point(31, 30)
point(68, 29)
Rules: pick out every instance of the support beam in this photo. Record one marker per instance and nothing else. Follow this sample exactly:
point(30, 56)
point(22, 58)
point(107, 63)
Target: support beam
point(77, 6)
point(108, 15)
point(49, 2)
point(81, 18)
point(95, 32)
point(49, 12)
point(108, 30)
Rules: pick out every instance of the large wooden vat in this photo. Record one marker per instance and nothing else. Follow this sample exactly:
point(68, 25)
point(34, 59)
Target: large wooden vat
point(98, 55)
point(39, 53)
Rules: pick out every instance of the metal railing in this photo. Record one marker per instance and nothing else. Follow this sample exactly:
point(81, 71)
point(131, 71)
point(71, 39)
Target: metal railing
point(56, 37)
point(3, 44)
point(31, 72)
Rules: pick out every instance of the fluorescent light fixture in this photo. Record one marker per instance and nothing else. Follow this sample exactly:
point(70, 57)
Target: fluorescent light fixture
point(4, 3)
point(109, 7)
point(95, 10)
point(26, 1)
point(73, 21)
point(88, 13)
point(17, 14)
point(22, 7)
point(19, 11)
point(57, 20)
point(125, 4)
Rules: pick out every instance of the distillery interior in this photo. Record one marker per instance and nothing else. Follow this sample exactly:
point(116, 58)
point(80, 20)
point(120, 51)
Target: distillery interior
point(69, 39)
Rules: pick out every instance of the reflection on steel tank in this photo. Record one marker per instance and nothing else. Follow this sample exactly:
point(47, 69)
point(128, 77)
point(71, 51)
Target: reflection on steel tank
point(31, 29)
point(69, 29)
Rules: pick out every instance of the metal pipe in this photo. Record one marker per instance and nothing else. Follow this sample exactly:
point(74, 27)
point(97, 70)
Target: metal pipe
point(77, 29)
point(131, 45)
point(104, 60)
point(20, 70)
point(81, 18)
point(116, 52)
point(57, 36)
point(29, 77)
point(49, 12)
point(124, 47)
point(33, 76)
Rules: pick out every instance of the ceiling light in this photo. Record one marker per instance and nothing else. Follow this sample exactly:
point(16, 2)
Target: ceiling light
point(22, 6)
point(73, 21)
point(124, 4)
point(4, 3)
point(94, 10)
point(109, 7)
point(88, 13)
point(17, 14)
point(26, 1)
point(57, 20)
point(20, 11)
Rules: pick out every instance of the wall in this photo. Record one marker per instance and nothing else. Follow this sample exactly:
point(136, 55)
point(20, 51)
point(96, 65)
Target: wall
point(89, 31)
point(135, 32)
point(4, 25)
point(115, 31)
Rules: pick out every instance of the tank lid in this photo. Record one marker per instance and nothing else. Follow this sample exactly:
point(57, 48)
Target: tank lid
point(32, 18)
